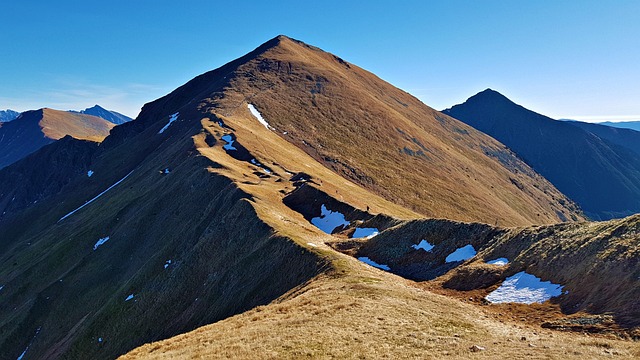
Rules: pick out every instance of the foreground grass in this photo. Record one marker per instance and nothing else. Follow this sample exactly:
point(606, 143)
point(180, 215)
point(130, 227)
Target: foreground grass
point(371, 314)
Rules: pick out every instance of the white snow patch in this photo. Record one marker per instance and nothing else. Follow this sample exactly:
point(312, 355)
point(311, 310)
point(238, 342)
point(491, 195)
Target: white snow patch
point(167, 263)
point(461, 254)
point(89, 173)
point(166, 171)
point(92, 200)
point(100, 242)
point(310, 244)
point(329, 220)
point(365, 233)
point(424, 245)
point(1, 287)
point(499, 261)
point(524, 288)
point(229, 142)
point(258, 116)
point(172, 118)
point(22, 355)
point(129, 297)
point(99, 339)
point(368, 261)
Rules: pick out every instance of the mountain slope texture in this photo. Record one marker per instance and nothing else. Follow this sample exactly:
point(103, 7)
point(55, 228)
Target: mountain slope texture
point(601, 176)
point(8, 115)
point(111, 116)
point(35, 129)
point(224, 204)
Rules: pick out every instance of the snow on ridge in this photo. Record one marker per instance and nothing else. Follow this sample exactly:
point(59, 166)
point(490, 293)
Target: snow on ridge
point(172, 118)
point(524, 288)
point(229, 142)
point(368, 261)
point(424, 245)
point(100, 242)
point(95, 198)
point(329, 220)
point(365, 233)
point(258, 116)
point(499, 261)
point(461, 254)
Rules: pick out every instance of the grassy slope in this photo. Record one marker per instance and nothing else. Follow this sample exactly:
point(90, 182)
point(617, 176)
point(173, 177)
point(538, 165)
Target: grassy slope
point(202, 215)
point(388, 141)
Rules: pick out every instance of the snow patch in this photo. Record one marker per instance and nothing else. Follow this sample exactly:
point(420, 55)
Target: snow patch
point(129, 297)
point(365, 233)
point(89, 173)
point(524, 288)
point(329, 220)
point(310, 244)
point(100, 242)
point(95, 198)
point(167, 263)
point(461, 254)
point(499, 261)
point(172, 118)
point(368, 261)
point(229, 142)
point(1, 287)
point(99, 339)
point(424, 245)
point(258, 116)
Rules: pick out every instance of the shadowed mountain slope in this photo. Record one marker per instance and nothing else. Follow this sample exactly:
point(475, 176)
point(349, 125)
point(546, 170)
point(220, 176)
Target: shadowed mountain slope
point(627, 138)
point(202, 208)
point(35, 129)
point(598, 174)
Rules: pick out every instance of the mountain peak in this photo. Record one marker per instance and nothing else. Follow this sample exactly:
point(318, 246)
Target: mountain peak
point(490, 95)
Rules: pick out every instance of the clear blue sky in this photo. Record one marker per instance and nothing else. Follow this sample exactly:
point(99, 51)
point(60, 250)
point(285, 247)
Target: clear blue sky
point(576, 59)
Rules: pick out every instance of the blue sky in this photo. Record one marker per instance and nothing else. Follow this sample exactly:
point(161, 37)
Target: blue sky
point(575, 59)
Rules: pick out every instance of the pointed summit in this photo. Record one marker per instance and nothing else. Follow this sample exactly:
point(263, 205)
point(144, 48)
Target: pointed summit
point(598, 175)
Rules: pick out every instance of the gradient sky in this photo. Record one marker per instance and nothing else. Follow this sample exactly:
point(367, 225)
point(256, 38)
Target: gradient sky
point(565, 59)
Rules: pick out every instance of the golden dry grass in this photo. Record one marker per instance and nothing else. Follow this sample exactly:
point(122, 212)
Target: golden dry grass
point(57, 124)
point(371, 314)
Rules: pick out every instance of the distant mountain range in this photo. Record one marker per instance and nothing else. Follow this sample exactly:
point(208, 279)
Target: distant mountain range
point(633, 125)
point(37, 128)
point(114, 117)
point(8, 115)
point(595, 165)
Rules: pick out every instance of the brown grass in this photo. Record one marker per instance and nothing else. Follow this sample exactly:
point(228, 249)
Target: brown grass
point(57, 124)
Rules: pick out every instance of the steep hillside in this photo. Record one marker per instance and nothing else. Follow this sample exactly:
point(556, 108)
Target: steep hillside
point(111, 116)
point(627, 138)
point(35, 129)
point(386, 140)
point(203, 208)
point(599, 175)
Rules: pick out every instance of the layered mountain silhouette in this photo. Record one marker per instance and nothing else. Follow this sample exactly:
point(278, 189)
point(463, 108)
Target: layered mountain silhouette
point(112, 116)
point(35, 129)
point(231, 194)
point(597, 167)
point(8, 115)
point(633, 125)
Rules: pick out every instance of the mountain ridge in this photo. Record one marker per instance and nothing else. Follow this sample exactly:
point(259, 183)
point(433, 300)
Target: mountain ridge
point(37, 128)
point(601, 176)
